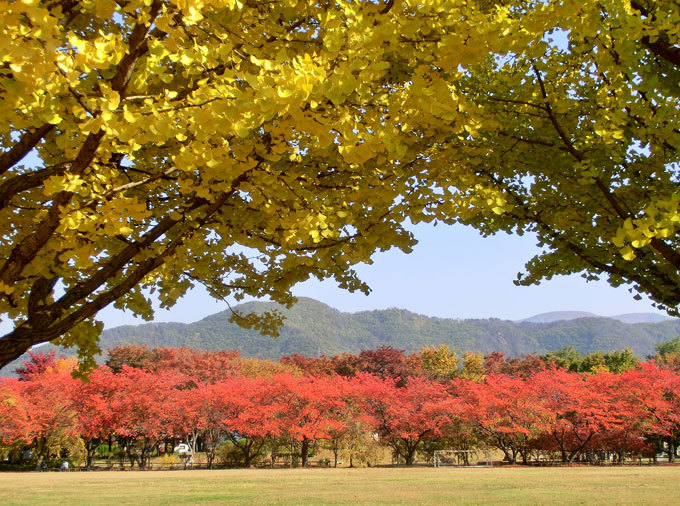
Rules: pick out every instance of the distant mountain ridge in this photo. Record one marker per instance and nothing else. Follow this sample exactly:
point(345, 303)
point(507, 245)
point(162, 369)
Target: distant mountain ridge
point(555, 316)
point(313, 328)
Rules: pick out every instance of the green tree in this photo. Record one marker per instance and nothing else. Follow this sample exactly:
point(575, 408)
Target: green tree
point(567, 358)
point(577, 139)
point(594, 362)
point(620, 361)
point(668, 353)
point(668, 348)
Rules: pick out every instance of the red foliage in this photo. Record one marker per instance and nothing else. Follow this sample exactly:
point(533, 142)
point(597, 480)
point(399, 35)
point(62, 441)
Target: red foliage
point(91, 402)
point(508, 411)
point(406, 416)
point(199, 365)
point(387, 362)
point(207, 396)
point(249, 413)
point(38, 364)
point(584, 408)
point(311, 366)
point(654, 396)
point(142, 405)
point(15, 418)
point(310, 408)
point(497, 363)
point(50, 414)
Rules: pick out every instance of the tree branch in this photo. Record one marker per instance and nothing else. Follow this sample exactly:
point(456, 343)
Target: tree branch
point(24, 182)
point(27, 249)
point(47, 323)
point(27, 142)
point(659, 47)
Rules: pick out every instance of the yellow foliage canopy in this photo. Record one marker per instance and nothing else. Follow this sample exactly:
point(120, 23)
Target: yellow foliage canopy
point(249, 145)
point(242, 145)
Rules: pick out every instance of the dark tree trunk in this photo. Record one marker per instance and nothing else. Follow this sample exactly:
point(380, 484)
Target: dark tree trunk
point(578, 450)
point(304, 452)
point(410, 451)
point(560, 442)
point(671, 450)
point(250, 449)
point(40, 452)
point(91, 447)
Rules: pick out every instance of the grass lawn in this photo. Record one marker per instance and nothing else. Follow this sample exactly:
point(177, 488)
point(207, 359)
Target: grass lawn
point(522, 486)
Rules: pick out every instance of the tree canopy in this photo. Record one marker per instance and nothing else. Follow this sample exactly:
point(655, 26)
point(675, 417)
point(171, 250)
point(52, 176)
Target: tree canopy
point(526, 408)
point(580, 131)
point(246, 146)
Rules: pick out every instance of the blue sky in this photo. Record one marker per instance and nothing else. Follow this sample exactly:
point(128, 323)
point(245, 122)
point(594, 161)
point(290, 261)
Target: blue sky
point(452, 273)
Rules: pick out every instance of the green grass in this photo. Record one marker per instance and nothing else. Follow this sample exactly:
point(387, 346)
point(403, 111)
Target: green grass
point(522, 486)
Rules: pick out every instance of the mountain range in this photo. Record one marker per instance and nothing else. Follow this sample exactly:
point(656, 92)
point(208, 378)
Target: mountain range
point(313, 328)
point(574, 315)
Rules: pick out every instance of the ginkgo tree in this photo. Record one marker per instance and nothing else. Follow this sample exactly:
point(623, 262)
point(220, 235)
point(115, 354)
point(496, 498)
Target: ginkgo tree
point(151, 145)
point(579, 130)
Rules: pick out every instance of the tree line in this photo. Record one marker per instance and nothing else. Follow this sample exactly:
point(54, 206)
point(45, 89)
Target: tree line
point(530, 408)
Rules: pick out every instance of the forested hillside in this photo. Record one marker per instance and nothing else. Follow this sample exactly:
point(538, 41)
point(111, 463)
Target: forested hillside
point(312, 328)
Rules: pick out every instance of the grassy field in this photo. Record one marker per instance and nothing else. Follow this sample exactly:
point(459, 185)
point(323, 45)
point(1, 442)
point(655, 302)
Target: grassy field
point(638, 485)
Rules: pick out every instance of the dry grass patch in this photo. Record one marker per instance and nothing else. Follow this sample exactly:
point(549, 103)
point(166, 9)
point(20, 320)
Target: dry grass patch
point(649, 485)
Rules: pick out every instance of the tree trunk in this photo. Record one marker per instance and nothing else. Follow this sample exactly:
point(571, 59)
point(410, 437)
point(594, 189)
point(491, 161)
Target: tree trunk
point(131, 457)
point(91, 448)
point(142, 458)
point(192, 441)
point(410, 453)
point(250, 449)
point(40, 452)
point(578, 450)
point(671, 450)
point(304, 452)
point(274, 453)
